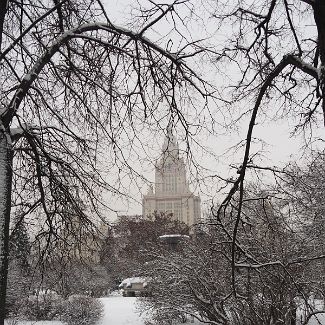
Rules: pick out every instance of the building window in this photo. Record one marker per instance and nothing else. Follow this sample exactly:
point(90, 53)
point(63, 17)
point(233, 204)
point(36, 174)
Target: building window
point(178, 210)
point(161, 206)
point(170, 183)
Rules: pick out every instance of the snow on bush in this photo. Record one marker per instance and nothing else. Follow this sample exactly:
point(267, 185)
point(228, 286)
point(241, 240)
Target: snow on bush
point(82, 310)
point(44, 305)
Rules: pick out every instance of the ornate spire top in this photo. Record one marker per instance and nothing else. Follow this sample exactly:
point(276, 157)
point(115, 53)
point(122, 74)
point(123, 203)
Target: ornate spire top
point(170, 146)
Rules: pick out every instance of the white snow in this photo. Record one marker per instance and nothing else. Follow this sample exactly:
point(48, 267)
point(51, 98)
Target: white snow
point(174, 235)
point(316, 305)
point(318, 319)
point(122, 311)
point(16, 131)
point(130, 281)
point(28, 322)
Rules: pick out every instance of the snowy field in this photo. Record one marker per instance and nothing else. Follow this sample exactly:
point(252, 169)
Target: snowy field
point(122, 311)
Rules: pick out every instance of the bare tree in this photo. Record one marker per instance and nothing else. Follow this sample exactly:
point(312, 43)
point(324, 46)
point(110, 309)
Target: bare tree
point(189, 280)
point(277, 267)
point(75, 91)
point(304, 188)
point(276, 50)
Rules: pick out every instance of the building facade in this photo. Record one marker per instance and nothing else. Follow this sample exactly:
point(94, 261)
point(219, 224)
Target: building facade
point(171, 192)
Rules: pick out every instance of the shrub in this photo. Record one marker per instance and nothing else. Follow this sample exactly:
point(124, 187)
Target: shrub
point(44, 305)
point(82, 310)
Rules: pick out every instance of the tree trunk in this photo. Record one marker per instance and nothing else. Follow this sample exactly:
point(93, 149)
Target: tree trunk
point(5, 205)
point(3, 11)
point(319, 14)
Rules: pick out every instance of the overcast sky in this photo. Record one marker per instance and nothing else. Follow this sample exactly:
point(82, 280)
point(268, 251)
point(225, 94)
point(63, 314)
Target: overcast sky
point(277, 147)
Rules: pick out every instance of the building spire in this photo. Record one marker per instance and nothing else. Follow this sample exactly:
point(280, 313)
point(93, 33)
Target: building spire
point(170, 146)
point(172, 194)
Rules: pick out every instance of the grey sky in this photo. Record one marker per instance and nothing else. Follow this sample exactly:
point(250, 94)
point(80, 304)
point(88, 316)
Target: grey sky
point(276, 148)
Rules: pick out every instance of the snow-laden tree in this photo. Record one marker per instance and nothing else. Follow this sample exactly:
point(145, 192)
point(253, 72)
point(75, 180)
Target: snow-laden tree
point(304, 187)
point(76, 93)
point(270, 278)
point(275, 53)
point(195, 279)
point(19, 267)
point(20, 246)
point(129, 237)
point(190, 280)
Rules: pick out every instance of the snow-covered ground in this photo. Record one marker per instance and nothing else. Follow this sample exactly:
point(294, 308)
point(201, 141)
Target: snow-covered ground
point(47, 322)
point(117, 311)
point(122, 311)
point(317, 320)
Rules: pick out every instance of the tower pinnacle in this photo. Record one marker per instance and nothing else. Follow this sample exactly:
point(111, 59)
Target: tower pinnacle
point(172, 194)
point(170, 145)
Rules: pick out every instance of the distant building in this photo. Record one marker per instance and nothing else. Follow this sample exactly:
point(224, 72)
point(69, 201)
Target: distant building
point(136, 286)
point(172, 193)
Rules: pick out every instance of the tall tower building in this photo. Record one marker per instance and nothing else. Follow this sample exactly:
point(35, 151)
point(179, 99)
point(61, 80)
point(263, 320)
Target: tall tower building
point(171, 193)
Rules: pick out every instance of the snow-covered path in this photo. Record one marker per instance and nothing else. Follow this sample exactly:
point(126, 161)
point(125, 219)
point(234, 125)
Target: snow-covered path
point(120, 311)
